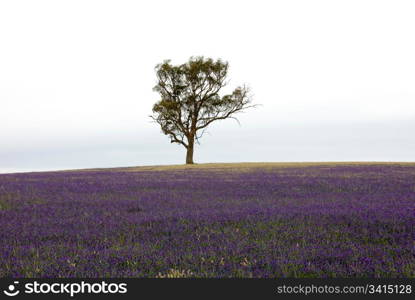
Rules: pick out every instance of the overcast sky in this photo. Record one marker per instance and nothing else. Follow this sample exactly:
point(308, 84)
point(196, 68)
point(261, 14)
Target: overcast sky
point(336, 80)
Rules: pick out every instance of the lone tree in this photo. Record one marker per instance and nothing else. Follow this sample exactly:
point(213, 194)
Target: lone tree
point(190, 99)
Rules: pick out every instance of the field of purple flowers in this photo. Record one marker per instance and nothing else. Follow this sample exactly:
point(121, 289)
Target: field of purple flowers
point(304, 221)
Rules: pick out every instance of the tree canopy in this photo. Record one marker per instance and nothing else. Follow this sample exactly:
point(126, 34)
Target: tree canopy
point(190, 99)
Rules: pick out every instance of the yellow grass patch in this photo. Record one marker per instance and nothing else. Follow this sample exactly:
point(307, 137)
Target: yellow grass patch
point(245, 166)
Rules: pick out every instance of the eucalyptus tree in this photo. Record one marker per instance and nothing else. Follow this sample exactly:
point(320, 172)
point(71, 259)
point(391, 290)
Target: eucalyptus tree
point(190, 99)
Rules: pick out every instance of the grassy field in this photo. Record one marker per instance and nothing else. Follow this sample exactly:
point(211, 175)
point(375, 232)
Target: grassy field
point(211, 220)
point(243, 166)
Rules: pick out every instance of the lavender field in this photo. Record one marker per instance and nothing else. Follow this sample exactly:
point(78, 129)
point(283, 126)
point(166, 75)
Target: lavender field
point(327, 220)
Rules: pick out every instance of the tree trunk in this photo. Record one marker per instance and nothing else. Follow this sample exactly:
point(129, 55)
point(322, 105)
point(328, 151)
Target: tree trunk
point(189, 153)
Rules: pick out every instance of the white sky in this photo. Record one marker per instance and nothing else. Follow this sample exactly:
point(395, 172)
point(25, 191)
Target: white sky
point(336, 80)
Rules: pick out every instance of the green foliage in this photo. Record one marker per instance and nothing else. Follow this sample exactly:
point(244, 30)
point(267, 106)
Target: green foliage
point(4, 205)
point(5, 201)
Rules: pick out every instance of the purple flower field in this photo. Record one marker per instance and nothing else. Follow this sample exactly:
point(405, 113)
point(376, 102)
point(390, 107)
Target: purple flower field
point(304, 221)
